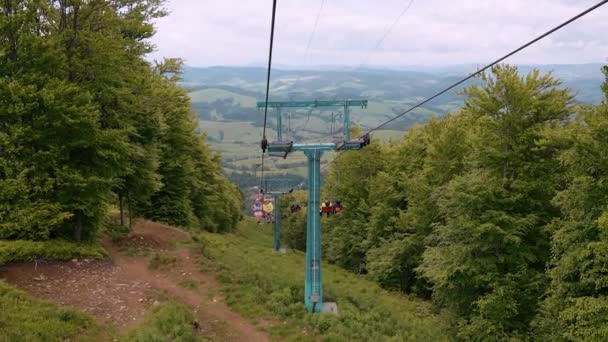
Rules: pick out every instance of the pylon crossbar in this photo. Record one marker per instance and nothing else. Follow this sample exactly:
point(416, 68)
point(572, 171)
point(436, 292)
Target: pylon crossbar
point(309, 104)
point(312, 104)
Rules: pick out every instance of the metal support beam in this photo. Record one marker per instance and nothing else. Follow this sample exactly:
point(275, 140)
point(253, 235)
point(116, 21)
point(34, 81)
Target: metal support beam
point(277, 210)
point(313, 284)
point(345, 104)
point(301, 147)
point(277, 223)
point(308, 104)
point(279, 125)
point(346, 123)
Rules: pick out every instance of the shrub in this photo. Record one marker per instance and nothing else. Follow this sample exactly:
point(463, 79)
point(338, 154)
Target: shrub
point(117, 231)
point(168, 322)
point(23, 250)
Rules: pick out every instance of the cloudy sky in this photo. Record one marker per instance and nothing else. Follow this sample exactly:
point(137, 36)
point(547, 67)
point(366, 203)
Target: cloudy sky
point(431, 32)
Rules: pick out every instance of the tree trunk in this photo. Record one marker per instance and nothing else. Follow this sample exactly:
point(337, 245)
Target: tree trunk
point(121, 206)
point(129, 209)
point(78, 226)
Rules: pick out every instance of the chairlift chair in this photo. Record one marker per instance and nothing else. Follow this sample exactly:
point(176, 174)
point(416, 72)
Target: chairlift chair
point(277, 148)
point(356, 144)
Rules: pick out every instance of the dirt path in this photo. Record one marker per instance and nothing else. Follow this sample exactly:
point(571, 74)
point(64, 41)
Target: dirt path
point(145, 269)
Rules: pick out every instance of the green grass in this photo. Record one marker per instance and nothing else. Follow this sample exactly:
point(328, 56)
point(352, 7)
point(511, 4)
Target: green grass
point(25, 319)
point(24, 250)
point(168, 322)
point(161, 260)
point(116, 231)
point(189, 284)
point(264, 285)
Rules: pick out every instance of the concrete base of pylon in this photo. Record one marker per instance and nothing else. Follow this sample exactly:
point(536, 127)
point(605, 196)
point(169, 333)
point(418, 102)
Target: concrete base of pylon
point(330, 307)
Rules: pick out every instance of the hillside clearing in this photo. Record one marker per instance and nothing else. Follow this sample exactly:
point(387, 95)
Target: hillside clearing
point(152, 268)
point(264, 285)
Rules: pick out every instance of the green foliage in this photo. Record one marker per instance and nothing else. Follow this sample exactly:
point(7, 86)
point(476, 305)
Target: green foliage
point(293, 225)
point(264, 285)
point(394, 230)
point(577, 304)
point(86, 123)
point(605, 84)
point(27, 319)
point(461, 208)
point(47, 155)
point(193, 193)
point(488, 257)
point(25, 250)
point(168, 322)
point(345, 239)
point(117, 231)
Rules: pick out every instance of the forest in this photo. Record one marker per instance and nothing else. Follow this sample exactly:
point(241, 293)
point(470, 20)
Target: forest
point(497, 212)
point(495, 215)
point(88, 125)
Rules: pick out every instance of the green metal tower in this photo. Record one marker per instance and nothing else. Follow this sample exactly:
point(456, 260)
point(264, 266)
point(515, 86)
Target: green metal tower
point(313, 282)
point(277, 217)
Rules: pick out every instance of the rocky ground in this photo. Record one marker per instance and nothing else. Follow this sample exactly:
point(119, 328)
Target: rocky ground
point(151, 265)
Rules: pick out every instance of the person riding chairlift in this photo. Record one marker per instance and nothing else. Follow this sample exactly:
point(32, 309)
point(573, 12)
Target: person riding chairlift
point(260, 196)
point(258, 211)
point(326, 208)
point(338, 207)
point(268, 211)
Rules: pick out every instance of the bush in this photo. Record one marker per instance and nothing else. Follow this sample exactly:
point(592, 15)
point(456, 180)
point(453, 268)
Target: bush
point(293, 229)
point(117, 231)
point(23, 250)
point(168, 322)
point(293, 232)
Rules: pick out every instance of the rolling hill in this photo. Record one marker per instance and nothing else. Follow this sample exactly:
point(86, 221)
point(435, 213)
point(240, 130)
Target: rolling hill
point(225, 100)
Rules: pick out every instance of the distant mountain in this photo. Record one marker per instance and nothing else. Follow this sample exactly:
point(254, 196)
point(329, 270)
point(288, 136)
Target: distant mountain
point(389, 91)
point(225, 100)
point(404, 85)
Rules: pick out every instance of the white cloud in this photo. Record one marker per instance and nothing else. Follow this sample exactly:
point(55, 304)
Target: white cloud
point(236, 32)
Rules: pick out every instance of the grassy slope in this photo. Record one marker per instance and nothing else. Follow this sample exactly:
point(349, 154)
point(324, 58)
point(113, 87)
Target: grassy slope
point(25, 319)
point(264, 285)
point(169, 322)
